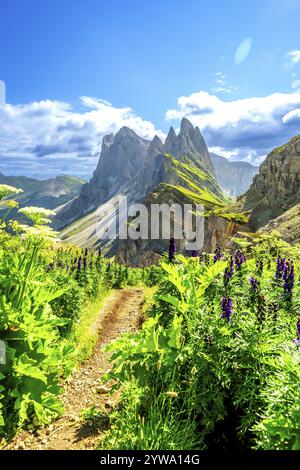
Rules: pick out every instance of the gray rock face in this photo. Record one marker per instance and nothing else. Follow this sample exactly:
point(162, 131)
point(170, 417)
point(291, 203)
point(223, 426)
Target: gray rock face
point(234, 178)
point(189, 142)
point(276, 188)
point(122, 158)
point(127, 160)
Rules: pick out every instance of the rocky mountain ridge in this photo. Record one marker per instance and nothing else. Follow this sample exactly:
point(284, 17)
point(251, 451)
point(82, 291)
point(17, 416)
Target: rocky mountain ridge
point(49, 193)
point(276, 188)
point(132, 166)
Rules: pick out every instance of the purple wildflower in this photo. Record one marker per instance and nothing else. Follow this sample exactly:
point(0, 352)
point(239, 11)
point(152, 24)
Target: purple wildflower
point(254, 283)
point(288, 278)
point(239, 259)
point(298, 328)
point(86, 252)
point(282, 268)
point(218, 255)
point(228, 273)
point(226, 308)
point(79, 263)
point(278, 273)
point(195, 253)
point(50, 267)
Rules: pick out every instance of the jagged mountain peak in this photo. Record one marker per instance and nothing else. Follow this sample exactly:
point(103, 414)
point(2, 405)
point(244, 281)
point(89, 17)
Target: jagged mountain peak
point(170, 140)
point(127, 159)
point(108, 140)
point(156, 141)
point(189, 141)
point(186, 127)
point(127, 133)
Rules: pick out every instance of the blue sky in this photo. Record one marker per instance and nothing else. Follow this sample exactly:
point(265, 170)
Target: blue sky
point(144, 64)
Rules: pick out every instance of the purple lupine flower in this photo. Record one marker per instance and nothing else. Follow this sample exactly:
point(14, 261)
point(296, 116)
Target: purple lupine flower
point(195, 253)
point(239, 259)
point(286, 270)
point(99, 251)
point(289, 278)
point(231, 267)
point(79, 263)
point(75, 260)
point(218, 255)
point(172, 249)
point(254, 283)
point(228, 273)
point(91, 264)
point(292, 276)
point(86, 252)
point(278, 273)
point(84, 263)
point(60, 264)
point(298, 328)
point(50, 267)
point(226, 308)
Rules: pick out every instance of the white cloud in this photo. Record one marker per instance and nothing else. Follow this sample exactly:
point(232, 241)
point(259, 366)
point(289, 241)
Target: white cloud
point(292, 57)
point(50, 137)
point(295, 84)
point(221, 84)
point(248, 127)
point(292, 117)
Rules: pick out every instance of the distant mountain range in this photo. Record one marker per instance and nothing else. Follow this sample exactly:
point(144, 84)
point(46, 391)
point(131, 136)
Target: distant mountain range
point(49, 193)
point(234, 178)
point(132, 166)
point(139, 169)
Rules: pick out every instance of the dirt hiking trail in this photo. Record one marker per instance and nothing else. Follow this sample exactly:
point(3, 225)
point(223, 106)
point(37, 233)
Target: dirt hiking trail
point(121, 313)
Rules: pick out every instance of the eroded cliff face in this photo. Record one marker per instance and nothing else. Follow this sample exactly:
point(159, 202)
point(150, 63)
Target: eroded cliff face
point(276, 188)
point(122, 158)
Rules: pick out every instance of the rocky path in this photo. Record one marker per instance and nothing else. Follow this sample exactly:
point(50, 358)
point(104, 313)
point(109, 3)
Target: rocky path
point(121, 313)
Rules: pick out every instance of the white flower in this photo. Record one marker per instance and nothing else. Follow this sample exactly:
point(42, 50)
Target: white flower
point(38, 215)
point(6, 190)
